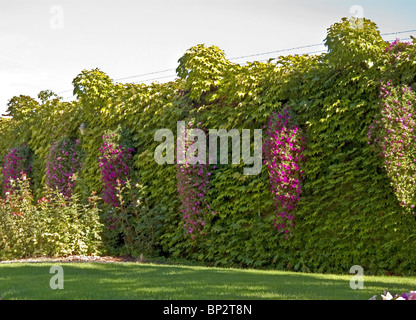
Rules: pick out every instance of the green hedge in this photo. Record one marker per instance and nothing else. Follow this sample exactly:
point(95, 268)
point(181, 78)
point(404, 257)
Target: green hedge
point(348, 213)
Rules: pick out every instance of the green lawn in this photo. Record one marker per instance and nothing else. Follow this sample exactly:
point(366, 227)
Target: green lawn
point(152, 281)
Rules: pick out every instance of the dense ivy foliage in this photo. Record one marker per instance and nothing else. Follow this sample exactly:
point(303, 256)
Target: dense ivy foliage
point(348, 211)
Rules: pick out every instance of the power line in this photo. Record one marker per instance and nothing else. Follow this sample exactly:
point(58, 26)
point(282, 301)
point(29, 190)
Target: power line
point(144, 74)
point(135, 76)
point(390, 33)
point(276, 51)
point(235, 58)
point(145, 80)
point(399, 39)
point(64, 91)
point(308, 46)
point(258, 54)
point(246, 56)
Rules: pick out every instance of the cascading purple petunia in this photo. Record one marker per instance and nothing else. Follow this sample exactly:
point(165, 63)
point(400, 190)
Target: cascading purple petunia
point(282, 150)
point(192, 186)
point(392, 136)
point(62, 163)
point(15, 164)
point(114, 163)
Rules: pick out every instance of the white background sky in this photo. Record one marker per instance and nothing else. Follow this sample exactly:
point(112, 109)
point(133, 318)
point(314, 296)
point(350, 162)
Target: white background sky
point(125, 38)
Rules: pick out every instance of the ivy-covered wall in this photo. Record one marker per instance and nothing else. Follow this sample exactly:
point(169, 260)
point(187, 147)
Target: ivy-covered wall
point(348, 212)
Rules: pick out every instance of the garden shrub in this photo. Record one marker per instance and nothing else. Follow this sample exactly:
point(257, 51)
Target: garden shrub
point(132, 225)
point(55, 225)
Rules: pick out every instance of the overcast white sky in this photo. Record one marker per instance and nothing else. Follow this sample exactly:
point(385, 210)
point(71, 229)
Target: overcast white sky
point(45, 44)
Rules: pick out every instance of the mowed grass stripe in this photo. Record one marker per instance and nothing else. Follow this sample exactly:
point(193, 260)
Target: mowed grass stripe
point(100, 281)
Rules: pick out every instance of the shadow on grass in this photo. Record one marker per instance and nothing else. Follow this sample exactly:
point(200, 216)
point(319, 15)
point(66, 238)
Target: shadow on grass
point(101, 281)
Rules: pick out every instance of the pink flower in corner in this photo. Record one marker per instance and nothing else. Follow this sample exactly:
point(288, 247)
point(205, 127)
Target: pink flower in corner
point(411, 295)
